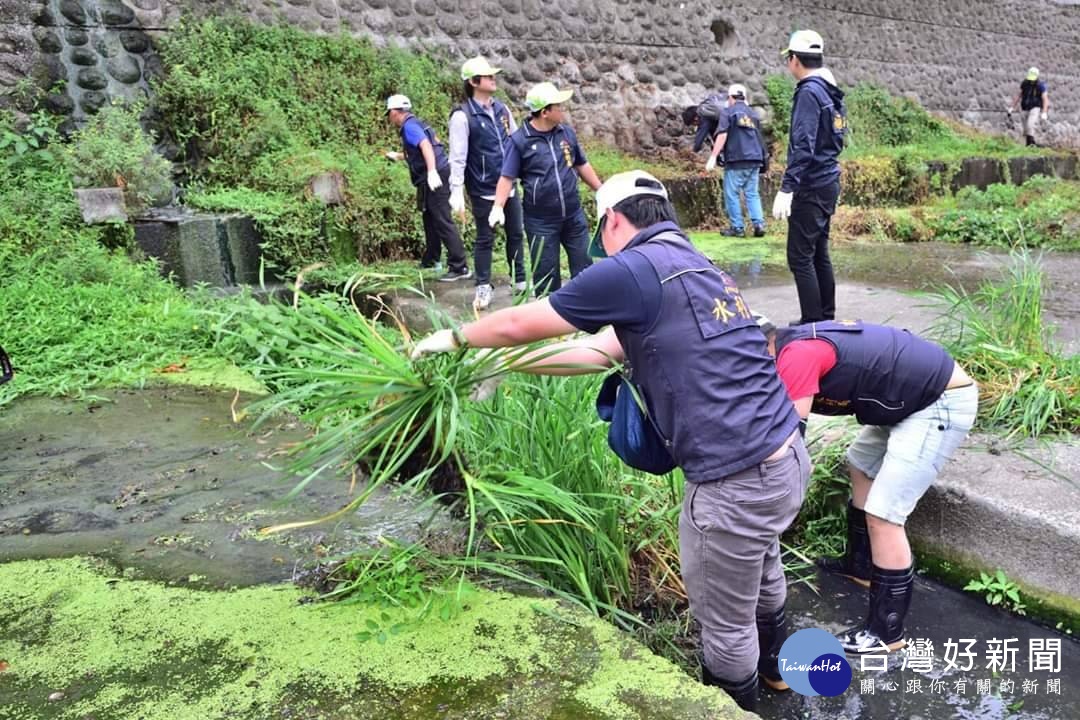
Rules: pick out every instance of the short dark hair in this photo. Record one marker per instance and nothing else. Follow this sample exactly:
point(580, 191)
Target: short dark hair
point(810, 61)
point(689, 115)
point(467, 88)
point(645, 210)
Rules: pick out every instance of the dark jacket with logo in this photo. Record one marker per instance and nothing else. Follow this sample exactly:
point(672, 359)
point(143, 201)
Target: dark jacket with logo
point(703, 345)
point(415, 158)
point(882, 374)
point(818, 125)
point(743, 147)
point(487, 146)
point(547, 171)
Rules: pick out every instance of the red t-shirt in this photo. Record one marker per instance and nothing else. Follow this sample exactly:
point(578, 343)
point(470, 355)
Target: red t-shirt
point(802, 364)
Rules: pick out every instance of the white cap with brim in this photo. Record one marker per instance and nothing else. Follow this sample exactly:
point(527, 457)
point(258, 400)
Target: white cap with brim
point(1033, 73)
point(737, 90)
point(544, 94)
point(398, 102)
point(614, 191)
point(804, 42)
point(476, 67)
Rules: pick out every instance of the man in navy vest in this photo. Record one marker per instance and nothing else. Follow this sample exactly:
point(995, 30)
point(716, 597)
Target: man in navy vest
point(544, 152)
point(811, 184)
point(480, 130)
point(738, 137)
point(1034, 101)
point(680, 327)
point(916, 405)
point(429, 170)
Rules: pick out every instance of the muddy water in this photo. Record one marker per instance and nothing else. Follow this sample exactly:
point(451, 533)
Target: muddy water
point(938, 614)
point(163, 482)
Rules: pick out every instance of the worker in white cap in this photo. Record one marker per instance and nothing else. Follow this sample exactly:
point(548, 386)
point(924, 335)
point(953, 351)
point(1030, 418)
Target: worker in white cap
point(480, 129)
point(1034, 101)
point(740, 142)
point(811, 185)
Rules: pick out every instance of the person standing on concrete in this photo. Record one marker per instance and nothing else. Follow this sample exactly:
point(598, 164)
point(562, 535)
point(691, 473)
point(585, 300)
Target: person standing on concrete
point(811, 184)
point(480, 130)
point(429, 169)
point(660, 307)
point(740, 141)
point(916, 406)
point(544, 152)
point(1034, 101)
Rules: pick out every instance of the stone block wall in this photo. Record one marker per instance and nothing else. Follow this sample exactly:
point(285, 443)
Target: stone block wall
point(634, 65)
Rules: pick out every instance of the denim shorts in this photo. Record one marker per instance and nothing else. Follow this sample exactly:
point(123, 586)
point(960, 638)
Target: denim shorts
point(903, 459)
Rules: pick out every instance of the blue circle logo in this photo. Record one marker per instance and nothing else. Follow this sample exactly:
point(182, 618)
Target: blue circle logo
point(812, 662)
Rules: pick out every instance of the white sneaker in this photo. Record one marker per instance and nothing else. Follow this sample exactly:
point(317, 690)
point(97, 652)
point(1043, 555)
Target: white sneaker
point(483, 296)
point(521, 286)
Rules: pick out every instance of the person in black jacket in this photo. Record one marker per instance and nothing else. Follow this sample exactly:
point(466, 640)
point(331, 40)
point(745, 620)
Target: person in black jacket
point(739, 141)
point(811, 185)
point(1034, 100)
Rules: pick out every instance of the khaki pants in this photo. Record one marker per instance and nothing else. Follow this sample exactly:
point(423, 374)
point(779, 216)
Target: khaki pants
point(1031, 121)
point(729, 547)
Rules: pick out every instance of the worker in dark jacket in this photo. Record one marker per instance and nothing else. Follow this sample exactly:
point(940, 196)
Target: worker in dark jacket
point(739, 139)
point(811, 184)
point(1034, 101)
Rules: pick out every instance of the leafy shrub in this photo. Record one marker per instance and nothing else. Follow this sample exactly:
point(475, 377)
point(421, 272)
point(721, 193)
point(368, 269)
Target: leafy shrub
point(113, 150)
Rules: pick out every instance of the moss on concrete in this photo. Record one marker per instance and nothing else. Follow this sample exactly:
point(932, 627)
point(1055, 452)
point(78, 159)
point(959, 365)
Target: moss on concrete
point(214, 374)
point(118, 648)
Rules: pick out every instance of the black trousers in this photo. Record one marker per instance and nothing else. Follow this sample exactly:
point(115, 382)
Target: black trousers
point(485, 239)
point(439, 227)
point(808, 251)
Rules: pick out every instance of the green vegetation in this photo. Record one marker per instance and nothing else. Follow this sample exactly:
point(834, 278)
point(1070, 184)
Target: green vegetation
point(1027, 386)
point(112, 150)
point(999, 591)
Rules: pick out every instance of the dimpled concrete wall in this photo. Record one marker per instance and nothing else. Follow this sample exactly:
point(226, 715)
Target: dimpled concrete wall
point(636, 64)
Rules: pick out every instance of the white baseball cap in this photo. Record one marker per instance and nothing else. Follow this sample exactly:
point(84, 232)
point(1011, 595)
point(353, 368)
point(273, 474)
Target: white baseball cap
point(738, 90)
point(398, 102)
point(805, 42)
point(1033, 73)
point(544, 94)
point(474, 67)
point(618, 188)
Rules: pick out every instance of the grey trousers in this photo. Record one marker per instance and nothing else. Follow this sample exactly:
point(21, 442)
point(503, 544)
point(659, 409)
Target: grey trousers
point(729, 550)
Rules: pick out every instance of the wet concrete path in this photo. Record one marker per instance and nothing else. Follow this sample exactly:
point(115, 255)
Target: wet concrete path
point(162, 481)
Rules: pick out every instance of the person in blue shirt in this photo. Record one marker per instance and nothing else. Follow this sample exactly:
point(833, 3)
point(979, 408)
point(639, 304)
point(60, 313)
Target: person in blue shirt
point(739, 139)
point(1034, 100)
point(811, 184)
point(545, 154)
point(684, 334)
point(480, 130)
point(429, 170)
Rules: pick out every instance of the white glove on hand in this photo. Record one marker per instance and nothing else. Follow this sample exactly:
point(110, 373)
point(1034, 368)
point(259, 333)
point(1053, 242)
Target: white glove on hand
point(437, 342)
point(434, 182)
point(497, 216)
point(391, 155)
point(1043, 116)
point(1009, 109)
point(781, 207)
point(457, 200)
point(710, 164)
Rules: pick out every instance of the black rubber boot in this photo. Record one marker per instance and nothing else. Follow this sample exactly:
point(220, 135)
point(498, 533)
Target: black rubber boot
point(772, 632)
point(1030, 139)
point(744, 692)
point(890, 598)
point(855, 563)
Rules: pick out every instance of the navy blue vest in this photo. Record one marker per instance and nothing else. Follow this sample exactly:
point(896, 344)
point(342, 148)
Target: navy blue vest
point(1031, 93)
point(703, 366)
point(743, 144)
point(882, 374)
point(547, 171)
point(415, 158)
point(487, 142)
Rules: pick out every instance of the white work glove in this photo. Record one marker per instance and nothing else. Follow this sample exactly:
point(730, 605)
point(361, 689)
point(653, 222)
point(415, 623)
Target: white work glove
point(1043, 116)
point(1009, 109)
point(457, 200)
point(497, 216)
point(437, 342)
point(434, 182)
point(710, 164)
point(781, 207)
point(395, 156)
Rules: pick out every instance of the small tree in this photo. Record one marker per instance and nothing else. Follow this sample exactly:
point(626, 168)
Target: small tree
point(113, 150)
